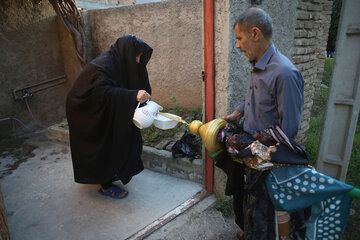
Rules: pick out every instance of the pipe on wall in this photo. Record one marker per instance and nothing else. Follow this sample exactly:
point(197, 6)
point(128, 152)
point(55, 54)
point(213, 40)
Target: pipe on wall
point(209, 77)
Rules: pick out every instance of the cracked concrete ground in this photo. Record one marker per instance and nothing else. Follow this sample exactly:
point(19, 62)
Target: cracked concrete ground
point(43, 202)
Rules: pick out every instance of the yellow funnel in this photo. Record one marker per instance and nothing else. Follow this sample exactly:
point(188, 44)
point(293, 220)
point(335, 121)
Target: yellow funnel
point(208, 133)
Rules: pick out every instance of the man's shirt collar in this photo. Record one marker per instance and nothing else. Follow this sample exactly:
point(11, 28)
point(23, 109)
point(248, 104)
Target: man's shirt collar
point(261, 64)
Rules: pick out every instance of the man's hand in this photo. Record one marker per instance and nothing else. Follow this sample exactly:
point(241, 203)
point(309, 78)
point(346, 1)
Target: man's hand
point(235, 116)
point(142, 96)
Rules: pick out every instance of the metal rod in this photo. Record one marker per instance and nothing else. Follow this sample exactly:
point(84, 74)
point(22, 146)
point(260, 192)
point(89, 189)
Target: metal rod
point(209, 69)
point(29, 93)
point(50, 86)
point(40, 83)
point(355, 193)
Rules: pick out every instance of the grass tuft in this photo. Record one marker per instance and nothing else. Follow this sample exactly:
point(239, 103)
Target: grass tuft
point(225, 206)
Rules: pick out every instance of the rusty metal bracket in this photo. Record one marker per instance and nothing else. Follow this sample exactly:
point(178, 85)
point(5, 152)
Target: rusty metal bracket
point(169, 216)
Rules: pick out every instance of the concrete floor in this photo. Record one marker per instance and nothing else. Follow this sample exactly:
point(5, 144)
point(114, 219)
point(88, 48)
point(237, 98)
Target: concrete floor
point(43, 202)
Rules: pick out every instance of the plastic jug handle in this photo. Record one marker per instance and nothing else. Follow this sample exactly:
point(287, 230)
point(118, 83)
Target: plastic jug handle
point(137, 106)
point(139, 103)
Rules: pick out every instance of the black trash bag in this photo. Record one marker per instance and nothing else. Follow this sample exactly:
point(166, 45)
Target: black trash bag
point(187, 146)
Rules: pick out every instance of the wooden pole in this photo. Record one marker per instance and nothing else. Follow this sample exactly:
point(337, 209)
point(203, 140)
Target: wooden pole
point(4, 230)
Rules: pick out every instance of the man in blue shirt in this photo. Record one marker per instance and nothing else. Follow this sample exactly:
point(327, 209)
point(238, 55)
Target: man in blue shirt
point(275, 87)
point(274, 93)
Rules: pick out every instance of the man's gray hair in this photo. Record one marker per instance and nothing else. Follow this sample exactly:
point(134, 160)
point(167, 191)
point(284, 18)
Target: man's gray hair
point(256, 17)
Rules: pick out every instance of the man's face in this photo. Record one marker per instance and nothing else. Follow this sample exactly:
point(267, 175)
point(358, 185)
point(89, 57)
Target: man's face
point(245, 43)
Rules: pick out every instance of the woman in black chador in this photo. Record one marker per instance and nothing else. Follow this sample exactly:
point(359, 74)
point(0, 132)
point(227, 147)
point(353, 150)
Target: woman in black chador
point(105, 144)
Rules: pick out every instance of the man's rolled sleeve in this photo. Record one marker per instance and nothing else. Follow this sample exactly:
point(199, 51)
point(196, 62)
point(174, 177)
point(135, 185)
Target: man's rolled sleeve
point(241, 107)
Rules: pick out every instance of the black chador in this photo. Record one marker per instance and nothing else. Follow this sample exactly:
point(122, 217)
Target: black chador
point(100, 106)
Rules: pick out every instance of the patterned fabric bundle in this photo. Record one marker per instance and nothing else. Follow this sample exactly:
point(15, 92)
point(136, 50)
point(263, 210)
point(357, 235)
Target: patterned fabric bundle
point(294, 188)
point(264, 150)
point(317, 203)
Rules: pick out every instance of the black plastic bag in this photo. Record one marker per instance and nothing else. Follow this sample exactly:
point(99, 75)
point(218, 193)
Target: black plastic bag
point(187, 146)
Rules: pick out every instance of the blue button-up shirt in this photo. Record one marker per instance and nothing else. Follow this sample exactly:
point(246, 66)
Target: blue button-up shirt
point(275, 95)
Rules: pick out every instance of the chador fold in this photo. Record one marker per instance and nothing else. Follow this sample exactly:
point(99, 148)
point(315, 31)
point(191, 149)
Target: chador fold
point(105, 144)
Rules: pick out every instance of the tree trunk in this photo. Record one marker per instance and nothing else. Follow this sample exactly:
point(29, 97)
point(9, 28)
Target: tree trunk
point(4, 230)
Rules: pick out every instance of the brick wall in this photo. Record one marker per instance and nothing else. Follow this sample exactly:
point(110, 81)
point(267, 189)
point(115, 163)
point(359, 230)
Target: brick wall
point(312, 26)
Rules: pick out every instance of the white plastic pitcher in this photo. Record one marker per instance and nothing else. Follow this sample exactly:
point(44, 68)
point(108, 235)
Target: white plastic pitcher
point(144, 116)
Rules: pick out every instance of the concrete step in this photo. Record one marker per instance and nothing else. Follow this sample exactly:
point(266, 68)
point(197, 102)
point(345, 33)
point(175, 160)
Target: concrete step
point(163, 162)
point(157, 158)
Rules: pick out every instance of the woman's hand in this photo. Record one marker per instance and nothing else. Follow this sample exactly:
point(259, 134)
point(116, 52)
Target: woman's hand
point(235, 116)
point(142, 96)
